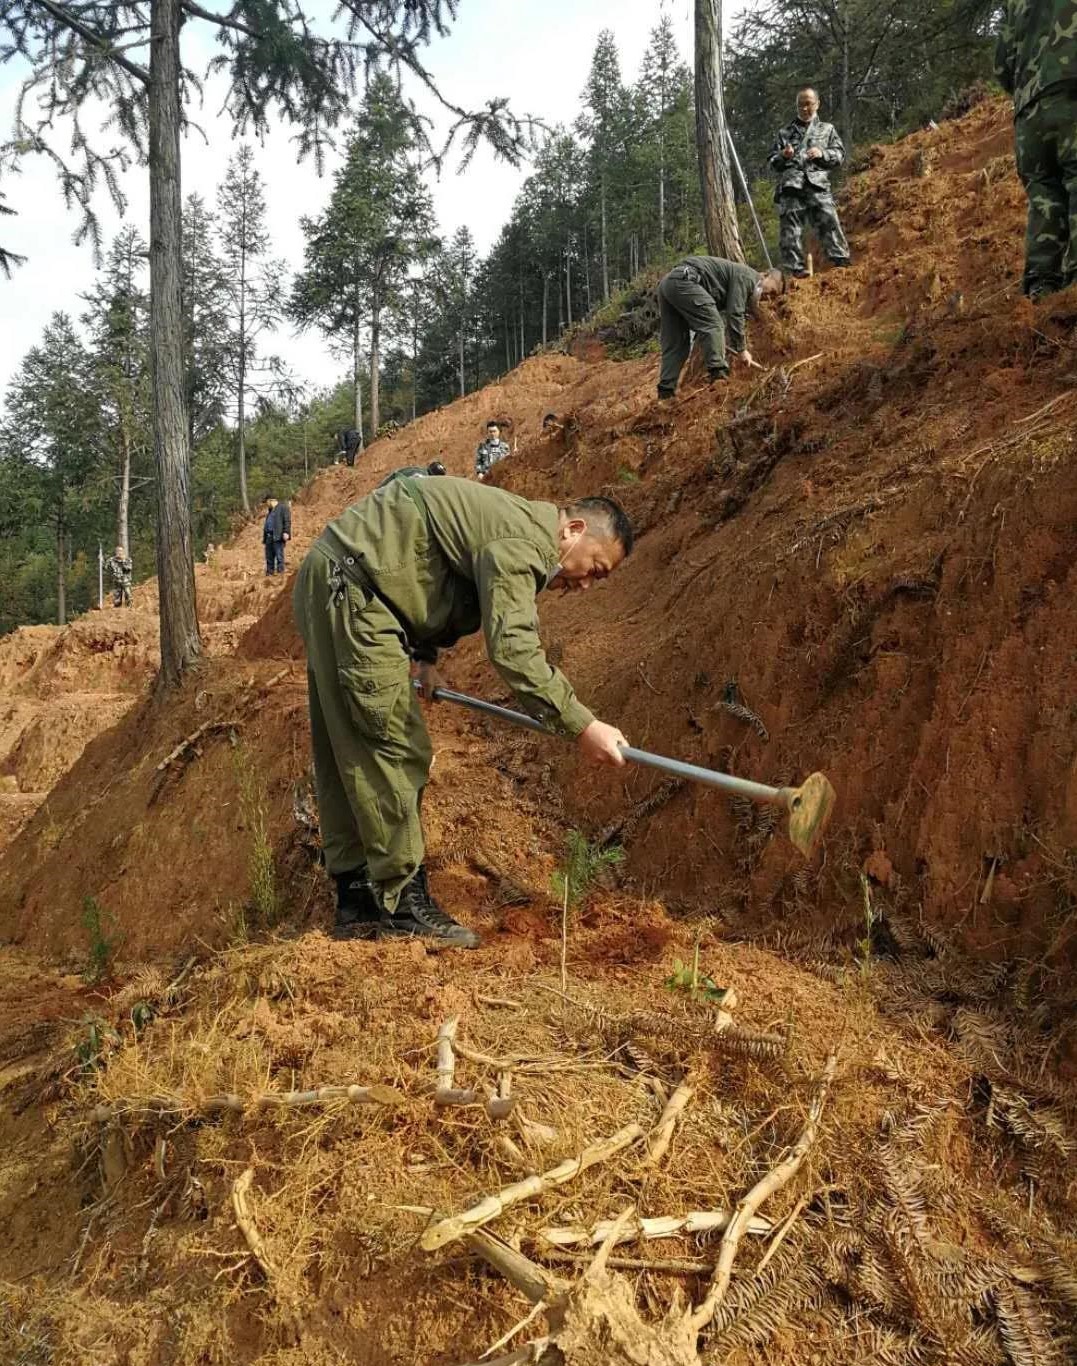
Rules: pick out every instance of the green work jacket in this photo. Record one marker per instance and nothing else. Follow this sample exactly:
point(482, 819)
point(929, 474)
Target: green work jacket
point(449, 557)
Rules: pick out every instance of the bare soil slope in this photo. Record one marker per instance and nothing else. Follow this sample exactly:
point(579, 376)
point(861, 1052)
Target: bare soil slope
point(861, 560)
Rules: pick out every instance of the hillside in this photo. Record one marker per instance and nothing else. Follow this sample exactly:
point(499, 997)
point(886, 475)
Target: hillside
point(875, 539)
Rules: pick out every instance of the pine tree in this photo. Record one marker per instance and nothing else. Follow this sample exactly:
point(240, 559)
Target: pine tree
point(52, 429)
point(461, 261)
point(118, 322)
point(126, 55)
point(255, 300)
point(663, 83)
point(712, 142)
point(604, 123)
point(206, 335)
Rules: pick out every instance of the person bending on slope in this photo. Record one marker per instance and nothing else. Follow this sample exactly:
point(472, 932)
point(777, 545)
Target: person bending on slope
point(410, 568)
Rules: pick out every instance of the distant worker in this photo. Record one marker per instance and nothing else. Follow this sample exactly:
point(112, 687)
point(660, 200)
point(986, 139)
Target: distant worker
point(120, 570)
point(1036, 62)
point(276, 533)
point(803, 155)
point(489, 452)
point(712, 298)
point(409, 569)
point(414, 472)
point(348, 442)
point(551, 426)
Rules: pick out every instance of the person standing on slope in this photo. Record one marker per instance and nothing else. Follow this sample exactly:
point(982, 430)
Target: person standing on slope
point(410, 568)
point(1036, 62)
point(490, 452)
point(120, 571)
point(712, 298)
point(804, 153)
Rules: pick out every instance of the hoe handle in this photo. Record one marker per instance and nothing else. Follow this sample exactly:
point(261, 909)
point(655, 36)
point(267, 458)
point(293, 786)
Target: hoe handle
point(740, 787)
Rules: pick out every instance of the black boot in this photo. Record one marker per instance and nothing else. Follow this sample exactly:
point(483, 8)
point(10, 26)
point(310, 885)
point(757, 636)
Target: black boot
point(418, 916)
point(359, 912)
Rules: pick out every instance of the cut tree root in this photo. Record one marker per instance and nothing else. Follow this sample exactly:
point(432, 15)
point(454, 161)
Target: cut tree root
point(267, 1100)
point(774, 1180)
point(667, 1226)
point(659, 1139)
point(596, 1323)
point(458, 1225)
point(249, 1229)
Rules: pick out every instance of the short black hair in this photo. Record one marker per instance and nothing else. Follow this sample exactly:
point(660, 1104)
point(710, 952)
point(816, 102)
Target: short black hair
point(493, 423)
point(267, 497)
point(550, 417)
point(611, 515)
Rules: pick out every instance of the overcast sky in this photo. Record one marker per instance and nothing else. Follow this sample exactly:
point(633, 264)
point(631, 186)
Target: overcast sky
point(535, 51)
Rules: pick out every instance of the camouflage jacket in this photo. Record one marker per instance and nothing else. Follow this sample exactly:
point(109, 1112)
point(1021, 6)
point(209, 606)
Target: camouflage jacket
point(120, 570)
point(798, 172)
point(450, 557)
point(488, 453)
point(1037, 49)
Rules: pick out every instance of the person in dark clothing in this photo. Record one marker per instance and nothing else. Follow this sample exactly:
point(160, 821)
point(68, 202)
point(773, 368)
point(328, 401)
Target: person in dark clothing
point(712, 298)
point(350, 441)
point(276, 532)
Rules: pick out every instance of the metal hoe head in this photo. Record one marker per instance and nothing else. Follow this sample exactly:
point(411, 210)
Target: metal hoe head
point(810, 807)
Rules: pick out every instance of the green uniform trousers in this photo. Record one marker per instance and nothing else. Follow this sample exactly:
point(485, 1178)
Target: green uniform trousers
point(684, 307)
point(372, 752)
point(1045, 138)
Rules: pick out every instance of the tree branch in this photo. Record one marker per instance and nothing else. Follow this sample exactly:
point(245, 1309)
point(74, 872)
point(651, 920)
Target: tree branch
point(224, 20)
point(65, 17)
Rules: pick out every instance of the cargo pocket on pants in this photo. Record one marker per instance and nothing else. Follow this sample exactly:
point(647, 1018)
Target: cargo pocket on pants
point(372, 694)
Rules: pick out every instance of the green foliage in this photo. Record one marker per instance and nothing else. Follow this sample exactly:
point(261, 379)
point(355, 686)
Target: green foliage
point(573, 881)
point(98, 922)
point(95, 1042)
point(686, 978)
point(265, 899)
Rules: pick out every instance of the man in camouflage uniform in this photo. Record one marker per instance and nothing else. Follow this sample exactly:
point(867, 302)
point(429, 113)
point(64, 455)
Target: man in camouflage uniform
point(803, 155)
point(408, 569)
point(712, 298)
point(1036, 61)
point(120, 569)
point(490, 451)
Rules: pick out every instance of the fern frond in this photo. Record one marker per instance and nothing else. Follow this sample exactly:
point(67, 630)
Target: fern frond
point(1025, 1331)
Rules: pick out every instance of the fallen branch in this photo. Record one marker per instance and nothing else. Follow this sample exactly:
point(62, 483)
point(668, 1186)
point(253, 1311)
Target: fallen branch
point(750, 1203)
point(531, 1355)
point(245, 1219)
point(446, 1093)
point(658, 1140)
point(672, 1266)
point(208, 1105)
point(667, 1226)
point(206, 728)
point(531, 1280)
point(457, 1225)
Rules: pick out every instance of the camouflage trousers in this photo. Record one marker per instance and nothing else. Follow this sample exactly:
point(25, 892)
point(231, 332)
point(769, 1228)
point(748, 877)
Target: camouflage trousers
point(372, 753)
point(1045, 136)
point(121, 595)
point(818, 210)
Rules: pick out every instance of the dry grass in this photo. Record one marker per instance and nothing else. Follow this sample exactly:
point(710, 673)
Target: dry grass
point(911, 1237)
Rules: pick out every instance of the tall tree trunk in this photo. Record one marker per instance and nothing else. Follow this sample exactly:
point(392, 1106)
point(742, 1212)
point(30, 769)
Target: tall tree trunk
point(180, 642)
point(61, 573)
point(560, 306)
point(846, 118)
point(375, 367)
point(661, 186)
point(508, 346)
point(586, 268)
point(357, 374)
point(241, 404)
point(415, 352)
point(545, 303)
point(523, 332)
point(461, 359)
point(123, 509)
point(568, 281)
point(716, 182)
point(605, 250)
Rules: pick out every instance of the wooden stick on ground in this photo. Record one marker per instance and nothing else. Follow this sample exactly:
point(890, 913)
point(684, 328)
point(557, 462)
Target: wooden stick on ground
point(672, 1266)
point(658, 1140)
point(247, 1226)
point(447, 1093)
point(774, 1180)
point(531, 1355)
point(457, 1225)
point(666, 1226)
point(534, 1282)
point(211, 1105)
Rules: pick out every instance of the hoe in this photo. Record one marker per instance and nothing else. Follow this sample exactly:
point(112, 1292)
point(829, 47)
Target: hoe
point(809, 805)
